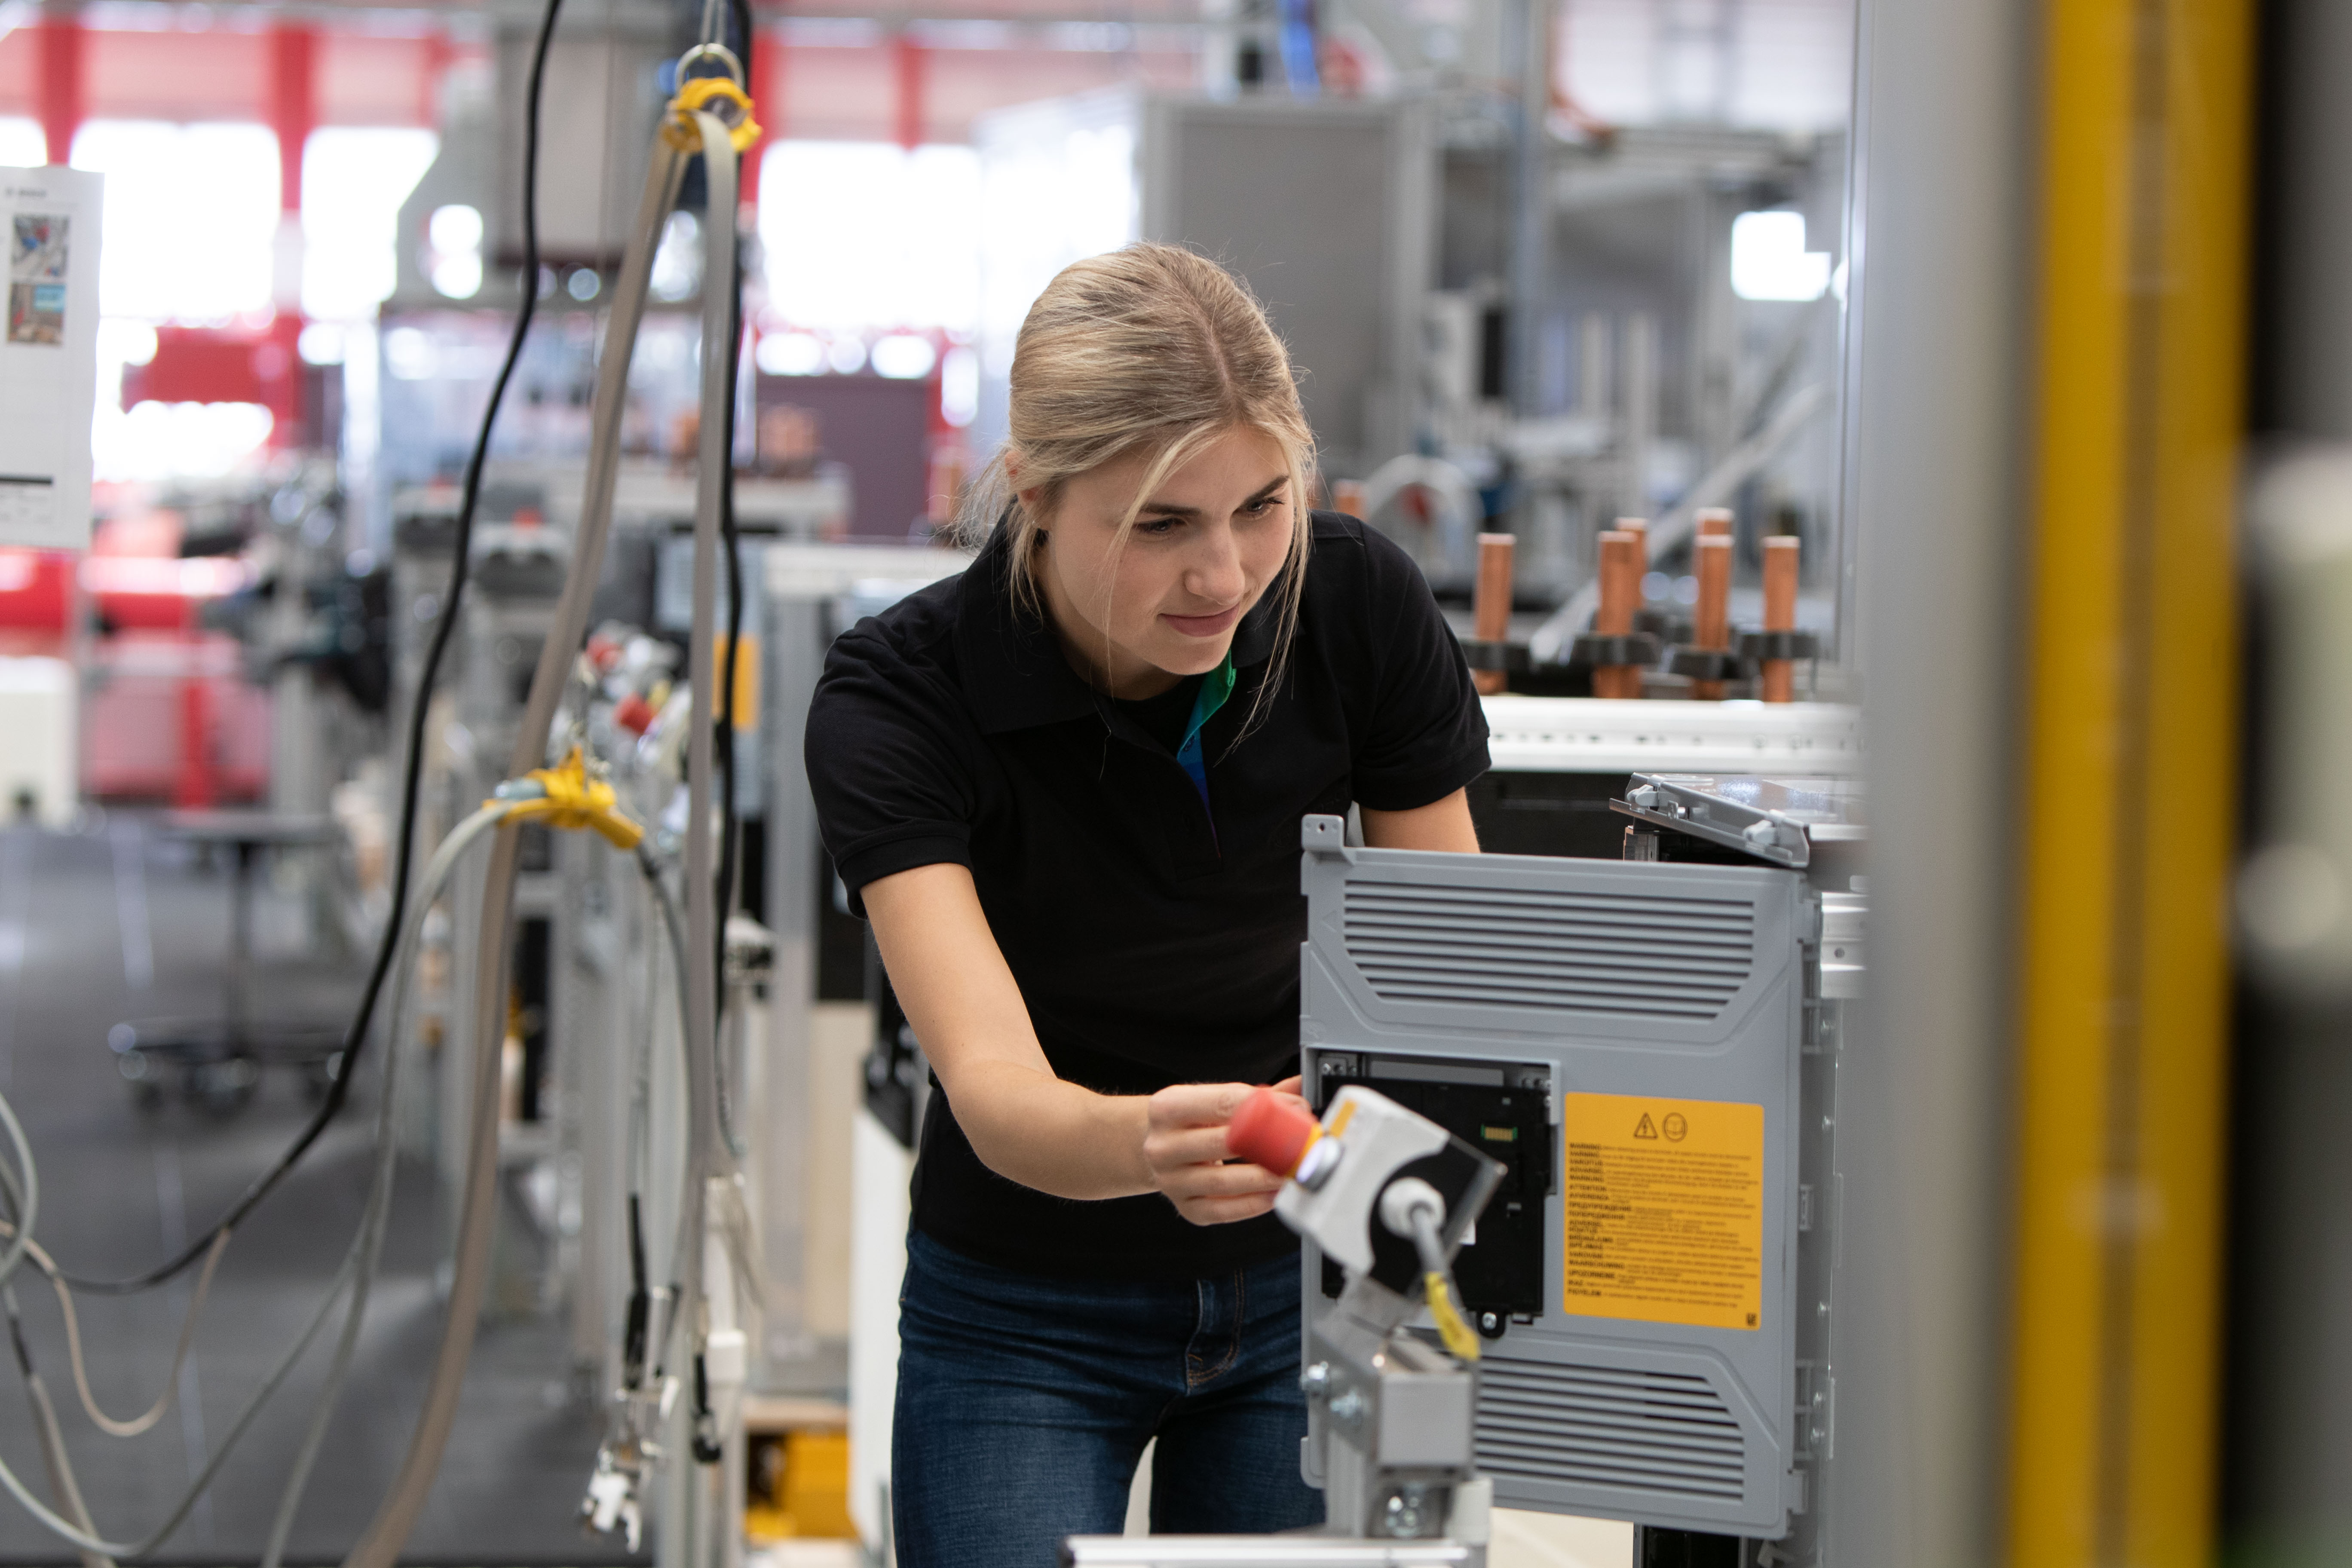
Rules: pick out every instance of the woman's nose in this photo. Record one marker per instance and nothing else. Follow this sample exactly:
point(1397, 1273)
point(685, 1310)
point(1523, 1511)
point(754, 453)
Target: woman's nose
point(1215, 573)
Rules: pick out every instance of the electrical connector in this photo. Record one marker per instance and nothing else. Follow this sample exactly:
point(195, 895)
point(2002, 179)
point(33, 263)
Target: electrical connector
point(611, 1502)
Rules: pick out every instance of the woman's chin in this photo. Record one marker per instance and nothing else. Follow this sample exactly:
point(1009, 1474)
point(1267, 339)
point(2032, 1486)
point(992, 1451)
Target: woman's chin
point(1184, 656)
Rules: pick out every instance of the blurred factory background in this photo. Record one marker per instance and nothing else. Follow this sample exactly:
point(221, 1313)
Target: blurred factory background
point(2007, 342)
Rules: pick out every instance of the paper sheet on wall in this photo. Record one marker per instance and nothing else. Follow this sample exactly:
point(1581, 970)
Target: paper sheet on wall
point(48, 354)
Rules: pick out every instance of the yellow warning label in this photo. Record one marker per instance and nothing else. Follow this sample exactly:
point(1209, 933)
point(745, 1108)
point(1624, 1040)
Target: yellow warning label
point(1665, 1210)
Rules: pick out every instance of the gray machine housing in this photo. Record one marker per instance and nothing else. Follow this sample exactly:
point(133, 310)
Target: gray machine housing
point(1537, 977)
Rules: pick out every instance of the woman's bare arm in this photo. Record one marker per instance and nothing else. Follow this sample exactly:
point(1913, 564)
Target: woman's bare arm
point(1440, 824)
point(1026, 1124)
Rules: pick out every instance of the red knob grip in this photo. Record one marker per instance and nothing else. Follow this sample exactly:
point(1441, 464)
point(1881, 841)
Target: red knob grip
point(1271, 1129)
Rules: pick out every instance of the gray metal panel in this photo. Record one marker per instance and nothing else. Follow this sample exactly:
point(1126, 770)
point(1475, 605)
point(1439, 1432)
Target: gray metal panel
point(1325, 207)
point(1669, 981)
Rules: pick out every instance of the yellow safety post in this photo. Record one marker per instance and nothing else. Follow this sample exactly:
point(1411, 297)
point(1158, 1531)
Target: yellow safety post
point(2129, 783)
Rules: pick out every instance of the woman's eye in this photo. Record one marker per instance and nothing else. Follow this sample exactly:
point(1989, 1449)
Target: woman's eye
point(1263, 505)
point(1157, 527)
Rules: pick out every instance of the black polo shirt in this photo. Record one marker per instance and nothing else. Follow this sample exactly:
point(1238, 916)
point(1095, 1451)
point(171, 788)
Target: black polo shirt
point(1155, 942)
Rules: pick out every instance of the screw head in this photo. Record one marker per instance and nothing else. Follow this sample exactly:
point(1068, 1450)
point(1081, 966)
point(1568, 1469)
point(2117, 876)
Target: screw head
point(1401, 1518)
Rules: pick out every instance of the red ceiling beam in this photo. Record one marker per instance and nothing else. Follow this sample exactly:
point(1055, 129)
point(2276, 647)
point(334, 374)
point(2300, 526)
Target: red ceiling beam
point(908, 71)
point(60, 99)
point(438, 54)
point(293, 105)
point(766, 86)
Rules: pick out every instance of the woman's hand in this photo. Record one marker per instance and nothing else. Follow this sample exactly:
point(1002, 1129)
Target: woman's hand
point(1184, 1149)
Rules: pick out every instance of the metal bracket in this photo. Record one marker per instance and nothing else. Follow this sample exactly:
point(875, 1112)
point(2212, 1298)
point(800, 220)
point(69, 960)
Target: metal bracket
point(1326, 837)
point(1766, 835)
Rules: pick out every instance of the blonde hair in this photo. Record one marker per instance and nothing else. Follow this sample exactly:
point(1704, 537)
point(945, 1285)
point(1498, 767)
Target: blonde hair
point(1149, 348)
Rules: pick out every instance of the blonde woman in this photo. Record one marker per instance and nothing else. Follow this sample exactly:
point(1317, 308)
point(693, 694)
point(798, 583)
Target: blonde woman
point(1065, 790)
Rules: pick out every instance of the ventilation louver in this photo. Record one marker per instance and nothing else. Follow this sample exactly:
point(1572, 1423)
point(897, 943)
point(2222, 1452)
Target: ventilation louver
point(1667, 1434)
point(1627, 955)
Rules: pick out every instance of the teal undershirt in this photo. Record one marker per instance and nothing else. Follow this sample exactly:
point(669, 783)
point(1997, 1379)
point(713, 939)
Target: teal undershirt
point(1192, 702)
point(1215, 687)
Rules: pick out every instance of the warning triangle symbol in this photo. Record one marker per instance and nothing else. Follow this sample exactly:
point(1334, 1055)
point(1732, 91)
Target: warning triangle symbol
point(1645, 1130)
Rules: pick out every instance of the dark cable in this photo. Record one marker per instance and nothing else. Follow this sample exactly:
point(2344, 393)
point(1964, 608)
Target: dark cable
point(355, 1037)
point(633, 1337)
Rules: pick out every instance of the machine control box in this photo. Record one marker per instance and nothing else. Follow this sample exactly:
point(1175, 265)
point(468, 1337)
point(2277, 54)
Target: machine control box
point(1628, 1040)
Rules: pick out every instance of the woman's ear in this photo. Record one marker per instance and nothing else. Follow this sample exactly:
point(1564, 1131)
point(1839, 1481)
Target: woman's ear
point(1029, 499)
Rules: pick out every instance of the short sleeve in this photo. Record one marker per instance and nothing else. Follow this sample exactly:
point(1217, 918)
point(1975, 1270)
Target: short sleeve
point(893, 786)
point(1426, 733)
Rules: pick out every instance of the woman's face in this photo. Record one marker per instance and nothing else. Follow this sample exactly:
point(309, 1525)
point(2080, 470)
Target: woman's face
point(1136, 617)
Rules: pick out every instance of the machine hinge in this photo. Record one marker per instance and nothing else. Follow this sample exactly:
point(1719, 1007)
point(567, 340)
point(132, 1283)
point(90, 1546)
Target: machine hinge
point(1816, 1416)
point(1804, 1206)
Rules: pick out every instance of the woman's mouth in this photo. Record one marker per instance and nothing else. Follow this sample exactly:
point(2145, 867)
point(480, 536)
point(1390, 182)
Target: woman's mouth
point(1204, 626)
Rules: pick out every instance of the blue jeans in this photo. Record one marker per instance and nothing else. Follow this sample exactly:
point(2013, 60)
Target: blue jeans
point(1025, 1402)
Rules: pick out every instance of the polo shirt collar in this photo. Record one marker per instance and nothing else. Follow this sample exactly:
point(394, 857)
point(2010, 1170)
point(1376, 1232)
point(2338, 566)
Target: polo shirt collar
point(1014, 675)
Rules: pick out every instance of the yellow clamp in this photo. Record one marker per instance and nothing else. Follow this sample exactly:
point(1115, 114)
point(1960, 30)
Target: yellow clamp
point(714, 95)
point(572, 800)
point(1457, 1335)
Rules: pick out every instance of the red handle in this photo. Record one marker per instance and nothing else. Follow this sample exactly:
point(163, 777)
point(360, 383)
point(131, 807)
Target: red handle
point(1271, 1129)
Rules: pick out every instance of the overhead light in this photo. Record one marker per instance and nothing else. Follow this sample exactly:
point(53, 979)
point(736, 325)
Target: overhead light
point(321, 342)
point(903, 356)
point(453, 257)
point(789, 353)
point(1770, 261)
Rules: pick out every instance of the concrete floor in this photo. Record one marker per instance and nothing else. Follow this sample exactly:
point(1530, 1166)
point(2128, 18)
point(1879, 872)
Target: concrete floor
point(112, 924)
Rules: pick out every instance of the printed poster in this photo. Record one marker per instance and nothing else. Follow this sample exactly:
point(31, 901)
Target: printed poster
point(36, 278)
point(48, 356)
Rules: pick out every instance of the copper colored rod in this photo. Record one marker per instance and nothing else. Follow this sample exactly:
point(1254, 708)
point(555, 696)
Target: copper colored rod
point(1779, 682)
point(1621, 591)
point(1639, 527)
point(1711, 554)
point(1713, 521)
point(1637, 574)
point(1490, 609)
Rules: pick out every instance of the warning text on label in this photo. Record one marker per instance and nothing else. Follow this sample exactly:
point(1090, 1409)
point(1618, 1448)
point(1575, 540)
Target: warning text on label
point(1665, 1210)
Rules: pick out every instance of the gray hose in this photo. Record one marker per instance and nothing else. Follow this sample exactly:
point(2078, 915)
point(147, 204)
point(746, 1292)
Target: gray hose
point(147, 1419)
point(28, 1197)
point(86, 1539)
point(701, 872)
point(397, 1517)
point(387, 1161)
point(85, 1542)
point(53, 1438)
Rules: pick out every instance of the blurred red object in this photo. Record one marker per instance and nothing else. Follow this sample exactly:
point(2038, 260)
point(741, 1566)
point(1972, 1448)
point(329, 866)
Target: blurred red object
point(142, 593)
point(37, 601)
point(218, 364)
point(634, 714)
point(171, 717)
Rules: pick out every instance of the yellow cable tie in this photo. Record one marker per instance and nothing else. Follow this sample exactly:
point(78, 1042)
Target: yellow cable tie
point(1457, 1335)
point(573, 801)
point(716, 95)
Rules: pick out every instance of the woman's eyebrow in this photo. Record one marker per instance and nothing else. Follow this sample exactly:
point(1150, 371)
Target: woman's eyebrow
point(1174, 508)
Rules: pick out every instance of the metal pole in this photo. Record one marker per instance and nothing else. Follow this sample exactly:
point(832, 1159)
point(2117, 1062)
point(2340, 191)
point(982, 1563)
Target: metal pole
point(1527, 36)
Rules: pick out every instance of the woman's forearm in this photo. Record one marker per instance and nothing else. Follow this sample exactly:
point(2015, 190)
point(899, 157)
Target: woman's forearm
point(1025, 1123)
point(1048, 1133)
